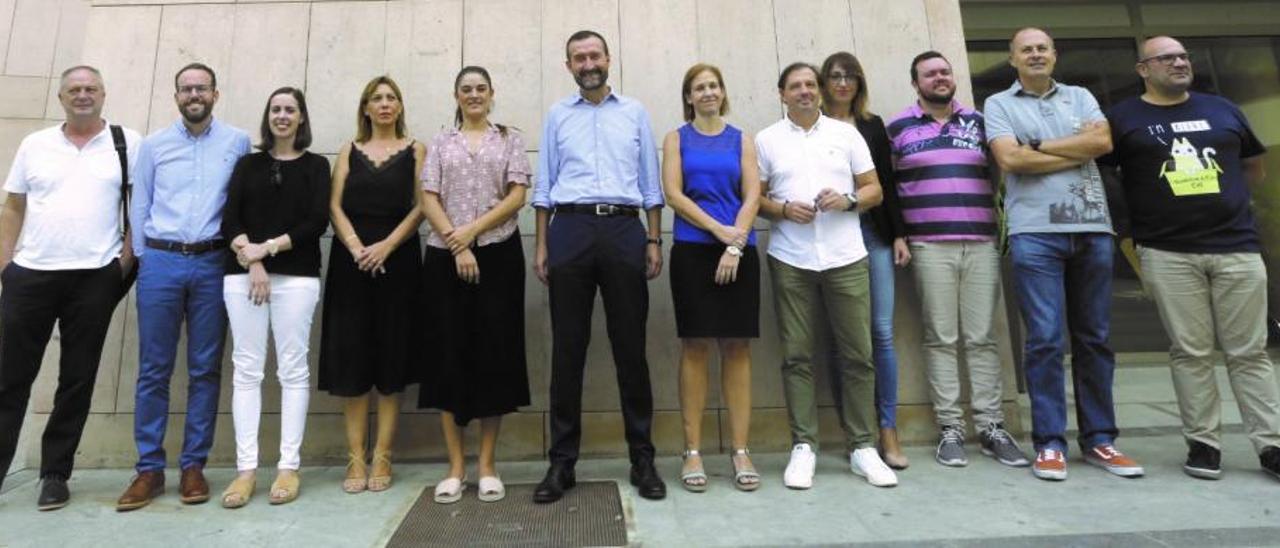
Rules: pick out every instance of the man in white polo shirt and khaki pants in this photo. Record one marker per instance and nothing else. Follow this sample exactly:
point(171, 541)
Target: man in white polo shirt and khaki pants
point(816, 175)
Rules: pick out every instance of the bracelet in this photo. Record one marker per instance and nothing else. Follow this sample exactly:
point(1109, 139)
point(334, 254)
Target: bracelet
point(273, 247)
point(655, 241)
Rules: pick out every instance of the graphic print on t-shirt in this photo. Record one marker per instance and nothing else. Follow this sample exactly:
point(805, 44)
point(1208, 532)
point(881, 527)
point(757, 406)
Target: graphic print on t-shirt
point(1087, 202)
point(1189, 172)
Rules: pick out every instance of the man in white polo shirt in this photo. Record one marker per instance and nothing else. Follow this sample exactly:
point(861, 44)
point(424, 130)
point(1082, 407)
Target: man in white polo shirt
point(816, 175)
point(68, 267)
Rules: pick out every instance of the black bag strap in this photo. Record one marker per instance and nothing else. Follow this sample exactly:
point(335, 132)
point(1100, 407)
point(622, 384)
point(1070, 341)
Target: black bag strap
point(117, 135)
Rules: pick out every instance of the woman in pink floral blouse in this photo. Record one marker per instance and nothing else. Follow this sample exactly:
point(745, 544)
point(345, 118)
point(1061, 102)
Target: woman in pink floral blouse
point(473, 186)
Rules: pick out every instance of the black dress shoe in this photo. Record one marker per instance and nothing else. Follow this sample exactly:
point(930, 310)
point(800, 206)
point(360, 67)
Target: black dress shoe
point(559, 479)
point(53, 493)
point(645, 477)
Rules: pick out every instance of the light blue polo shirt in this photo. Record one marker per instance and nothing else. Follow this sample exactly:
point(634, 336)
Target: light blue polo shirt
point(1071, 200)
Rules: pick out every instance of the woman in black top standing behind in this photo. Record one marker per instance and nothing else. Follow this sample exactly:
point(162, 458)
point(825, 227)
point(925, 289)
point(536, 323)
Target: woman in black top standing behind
point(276, 212)
point(371, 301)
point(844, 97)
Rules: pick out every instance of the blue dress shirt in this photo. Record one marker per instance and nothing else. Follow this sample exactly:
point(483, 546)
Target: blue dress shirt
point(180, 183)
point(597, 154)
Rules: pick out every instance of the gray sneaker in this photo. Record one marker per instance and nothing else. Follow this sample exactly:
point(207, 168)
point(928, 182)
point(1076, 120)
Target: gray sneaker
point(951, 447)
point(999, 445)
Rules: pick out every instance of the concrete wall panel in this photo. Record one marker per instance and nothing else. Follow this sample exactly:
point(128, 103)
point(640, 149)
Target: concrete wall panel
point(342, 58)
point(124, 49)
point(269, 50)
point(505, 37)
point(886, 37)
point(24, 96)
point(32, 29)
point(424, 47)
point(810, 30)
point(736, 36)
point(656, 66)
point(7, 8)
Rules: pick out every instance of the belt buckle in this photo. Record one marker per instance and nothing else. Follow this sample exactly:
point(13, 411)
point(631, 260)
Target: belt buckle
point(186, 249)
point(604, 210)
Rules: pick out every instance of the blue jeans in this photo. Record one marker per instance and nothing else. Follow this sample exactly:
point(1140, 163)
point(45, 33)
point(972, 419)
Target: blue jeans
point(171, 287)
point(1054, 273)
point(880, 262)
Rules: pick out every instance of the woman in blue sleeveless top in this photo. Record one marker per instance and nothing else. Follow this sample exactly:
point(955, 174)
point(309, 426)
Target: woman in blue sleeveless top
point(710, 180)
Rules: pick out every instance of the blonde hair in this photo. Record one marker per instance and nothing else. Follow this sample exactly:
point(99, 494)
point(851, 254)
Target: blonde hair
point(364, 125)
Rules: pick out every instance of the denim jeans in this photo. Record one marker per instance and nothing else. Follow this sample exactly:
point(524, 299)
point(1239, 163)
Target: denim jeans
point(1071, 273)
point(880, 262)
point(173, 287)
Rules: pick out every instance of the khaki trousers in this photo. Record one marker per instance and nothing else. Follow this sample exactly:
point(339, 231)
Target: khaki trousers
point(1203, 295)
point(959, 283)
point(799, 295)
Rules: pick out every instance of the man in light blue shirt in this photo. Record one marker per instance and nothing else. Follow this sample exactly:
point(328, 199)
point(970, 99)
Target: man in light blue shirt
point(597, 168)
point(180, 186)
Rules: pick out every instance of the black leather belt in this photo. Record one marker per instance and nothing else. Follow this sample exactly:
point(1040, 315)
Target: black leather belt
point(186, 249)
point(599, 210)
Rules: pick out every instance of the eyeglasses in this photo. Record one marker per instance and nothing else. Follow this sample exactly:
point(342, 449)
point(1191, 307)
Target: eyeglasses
point(194, 90)
point(842, 78)
point(1169, 58)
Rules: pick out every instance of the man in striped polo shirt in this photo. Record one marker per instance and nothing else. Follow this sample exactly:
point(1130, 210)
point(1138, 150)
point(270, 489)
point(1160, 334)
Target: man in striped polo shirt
point(940, 155)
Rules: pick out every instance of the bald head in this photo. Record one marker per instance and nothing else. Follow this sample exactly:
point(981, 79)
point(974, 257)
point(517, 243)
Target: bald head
point(1165, 67)
point(1158, 43)
point(1031, 53)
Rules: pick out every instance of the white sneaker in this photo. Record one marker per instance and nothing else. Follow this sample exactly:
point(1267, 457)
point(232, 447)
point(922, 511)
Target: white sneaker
point(799, 472)
point(866, 462)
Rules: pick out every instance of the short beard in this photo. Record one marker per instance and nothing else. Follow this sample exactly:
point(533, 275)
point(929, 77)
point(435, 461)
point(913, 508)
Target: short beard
point(936, 99)
point(197, 118)
point(580, 78)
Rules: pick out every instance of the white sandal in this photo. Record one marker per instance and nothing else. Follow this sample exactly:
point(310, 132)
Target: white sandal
point(491, 489)
point(694, 481)
point(449, 490)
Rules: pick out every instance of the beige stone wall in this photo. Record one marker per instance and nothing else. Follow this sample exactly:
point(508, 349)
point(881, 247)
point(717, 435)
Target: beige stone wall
point(333, 47)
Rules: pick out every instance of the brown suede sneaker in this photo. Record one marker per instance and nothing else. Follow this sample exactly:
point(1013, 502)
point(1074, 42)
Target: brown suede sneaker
point(193, 489)
point(145, 486)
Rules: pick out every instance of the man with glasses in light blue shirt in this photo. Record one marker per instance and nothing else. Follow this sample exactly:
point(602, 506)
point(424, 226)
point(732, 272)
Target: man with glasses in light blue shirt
point(180, 186)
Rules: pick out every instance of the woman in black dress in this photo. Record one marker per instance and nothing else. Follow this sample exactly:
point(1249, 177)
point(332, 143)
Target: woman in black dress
point(373, 286)
point(472, 189)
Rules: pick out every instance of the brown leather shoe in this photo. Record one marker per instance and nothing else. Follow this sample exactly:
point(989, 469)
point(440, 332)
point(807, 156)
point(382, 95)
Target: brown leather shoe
point(145, 486)
point(193, 489)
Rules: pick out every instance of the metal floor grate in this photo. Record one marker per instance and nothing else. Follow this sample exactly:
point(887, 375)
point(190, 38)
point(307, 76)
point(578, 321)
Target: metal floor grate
point(588, 515)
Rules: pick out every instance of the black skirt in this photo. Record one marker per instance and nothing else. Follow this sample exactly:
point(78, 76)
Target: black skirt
point(477, 365)
point(371, 326)
point(705, 309)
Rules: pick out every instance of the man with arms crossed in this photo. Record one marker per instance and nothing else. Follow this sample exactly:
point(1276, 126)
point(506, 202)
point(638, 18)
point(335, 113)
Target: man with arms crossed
point(1186, 161)
point(179, 191)
point(68, 268)
point(597, 168)
point(1045, 136)
point(816, 174)
point(944, 188)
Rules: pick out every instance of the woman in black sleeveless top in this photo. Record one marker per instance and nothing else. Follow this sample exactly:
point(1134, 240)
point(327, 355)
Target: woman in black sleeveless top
point(372, 292)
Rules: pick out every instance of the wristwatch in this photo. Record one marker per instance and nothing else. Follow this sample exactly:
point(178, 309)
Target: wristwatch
point(733, 250)
point(1034, 144)
point(655, 241)
point(853, 201)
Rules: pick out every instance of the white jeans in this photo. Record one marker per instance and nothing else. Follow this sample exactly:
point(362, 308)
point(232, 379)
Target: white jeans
point(288, 316)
